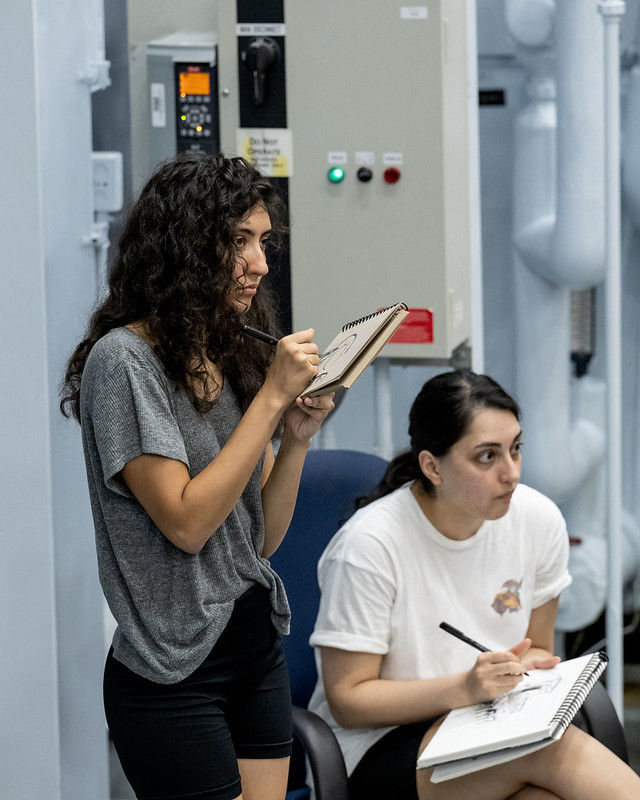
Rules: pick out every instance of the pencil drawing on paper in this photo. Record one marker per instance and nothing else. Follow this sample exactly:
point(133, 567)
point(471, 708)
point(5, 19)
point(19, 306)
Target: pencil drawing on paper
point(335, 355)
point(514, 701)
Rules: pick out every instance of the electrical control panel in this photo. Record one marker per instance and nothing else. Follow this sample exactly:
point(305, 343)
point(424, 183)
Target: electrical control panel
point(364, 111)
point(183, 86)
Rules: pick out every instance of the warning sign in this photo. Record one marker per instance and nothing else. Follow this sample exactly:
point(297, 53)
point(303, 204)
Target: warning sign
point(417, 328)
point(268, 149)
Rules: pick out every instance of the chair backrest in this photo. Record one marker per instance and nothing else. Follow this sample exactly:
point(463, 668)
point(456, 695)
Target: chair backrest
point(331, 481)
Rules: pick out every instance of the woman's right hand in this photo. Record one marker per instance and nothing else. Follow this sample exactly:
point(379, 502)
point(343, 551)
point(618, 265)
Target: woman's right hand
point(495, 673)
point(295, 364)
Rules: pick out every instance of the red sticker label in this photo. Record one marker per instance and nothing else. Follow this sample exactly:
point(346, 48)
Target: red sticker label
point(417, 328)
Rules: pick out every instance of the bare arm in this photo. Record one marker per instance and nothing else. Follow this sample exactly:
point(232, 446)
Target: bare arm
point(540, 632)
point(359, 698)
point(189, 510)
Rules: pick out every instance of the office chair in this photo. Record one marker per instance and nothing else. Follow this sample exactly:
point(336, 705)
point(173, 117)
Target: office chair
point(599, 718)
point(331, 481)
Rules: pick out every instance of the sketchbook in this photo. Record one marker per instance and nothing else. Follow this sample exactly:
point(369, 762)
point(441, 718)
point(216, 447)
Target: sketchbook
point(353, 349)
point(534, 714)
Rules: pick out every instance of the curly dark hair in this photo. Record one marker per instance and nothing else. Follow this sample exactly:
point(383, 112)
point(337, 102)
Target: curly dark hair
point(440, 416)
point(174, 270)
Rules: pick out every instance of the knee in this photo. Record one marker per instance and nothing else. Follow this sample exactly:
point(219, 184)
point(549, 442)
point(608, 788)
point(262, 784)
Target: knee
point(573, 748)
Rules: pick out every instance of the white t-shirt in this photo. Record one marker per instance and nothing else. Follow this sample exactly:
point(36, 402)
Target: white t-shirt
point(388, 579)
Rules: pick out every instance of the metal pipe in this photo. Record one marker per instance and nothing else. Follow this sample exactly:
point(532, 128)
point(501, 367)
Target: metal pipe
point(558, 234)
point(611, 11)
point(475, 231)
point(383, 411)
point(565, 242)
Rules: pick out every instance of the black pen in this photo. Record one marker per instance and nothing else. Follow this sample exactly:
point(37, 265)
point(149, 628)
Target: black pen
point(264, 337)
point(464, 638)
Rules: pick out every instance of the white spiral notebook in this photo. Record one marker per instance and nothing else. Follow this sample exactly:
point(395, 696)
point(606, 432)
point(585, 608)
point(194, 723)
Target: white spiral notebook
point(534, 714)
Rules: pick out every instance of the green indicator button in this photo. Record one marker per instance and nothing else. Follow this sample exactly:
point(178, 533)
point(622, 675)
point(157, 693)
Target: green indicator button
point(335, 174)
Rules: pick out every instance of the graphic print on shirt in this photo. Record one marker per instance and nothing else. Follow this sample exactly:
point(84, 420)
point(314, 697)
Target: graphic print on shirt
point(508, 598)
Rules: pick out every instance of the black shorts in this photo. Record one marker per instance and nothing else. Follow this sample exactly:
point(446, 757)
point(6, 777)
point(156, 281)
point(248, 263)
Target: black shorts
point(388, 768)
point(184, 739)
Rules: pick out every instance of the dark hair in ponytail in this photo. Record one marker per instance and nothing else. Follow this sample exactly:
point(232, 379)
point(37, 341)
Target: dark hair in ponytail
point(440, 416)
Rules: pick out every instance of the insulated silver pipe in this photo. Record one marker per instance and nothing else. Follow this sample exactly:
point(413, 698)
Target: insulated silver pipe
point(611, 11)
point(383, 408)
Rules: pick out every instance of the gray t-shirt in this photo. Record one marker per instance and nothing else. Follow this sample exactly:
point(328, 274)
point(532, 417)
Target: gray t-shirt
point(170, 606)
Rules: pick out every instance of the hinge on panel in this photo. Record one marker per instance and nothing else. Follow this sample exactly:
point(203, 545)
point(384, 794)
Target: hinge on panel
point(96, 75)
point(99, 236)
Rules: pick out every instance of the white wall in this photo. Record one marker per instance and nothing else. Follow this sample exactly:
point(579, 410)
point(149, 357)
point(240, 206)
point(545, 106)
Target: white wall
point(52, 735)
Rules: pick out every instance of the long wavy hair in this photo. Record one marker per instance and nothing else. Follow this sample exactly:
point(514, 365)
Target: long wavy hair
point(440, 416)
point(174, 270)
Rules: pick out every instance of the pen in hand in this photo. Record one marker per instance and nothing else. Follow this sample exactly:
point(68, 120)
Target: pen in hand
point(264, 337)
point(464, 638)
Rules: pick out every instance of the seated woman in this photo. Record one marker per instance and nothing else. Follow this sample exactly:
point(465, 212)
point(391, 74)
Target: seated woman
point(449, 534)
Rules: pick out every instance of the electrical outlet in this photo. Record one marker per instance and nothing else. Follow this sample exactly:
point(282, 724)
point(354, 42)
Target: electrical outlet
point(107, 181)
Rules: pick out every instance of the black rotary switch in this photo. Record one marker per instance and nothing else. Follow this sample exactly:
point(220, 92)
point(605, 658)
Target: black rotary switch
point(260, 58)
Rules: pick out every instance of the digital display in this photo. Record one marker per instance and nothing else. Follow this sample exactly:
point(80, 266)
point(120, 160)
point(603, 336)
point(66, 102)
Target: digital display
point(194, 83)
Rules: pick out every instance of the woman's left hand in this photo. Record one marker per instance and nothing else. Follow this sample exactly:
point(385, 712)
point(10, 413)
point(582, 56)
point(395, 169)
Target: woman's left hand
point(303, 420)
point(534, 657)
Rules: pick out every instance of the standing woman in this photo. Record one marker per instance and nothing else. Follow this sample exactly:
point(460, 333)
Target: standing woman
point(448, 535)
point(178, 408)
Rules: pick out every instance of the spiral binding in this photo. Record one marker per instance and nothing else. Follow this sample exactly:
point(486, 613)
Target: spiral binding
point(370, 316)
point(578, 694)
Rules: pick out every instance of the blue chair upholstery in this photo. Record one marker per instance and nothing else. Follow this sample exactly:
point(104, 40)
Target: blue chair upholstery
point(330, 483)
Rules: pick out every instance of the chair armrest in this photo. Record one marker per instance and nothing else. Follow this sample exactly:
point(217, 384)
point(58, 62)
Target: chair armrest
point(323, 752)
point(599, 718)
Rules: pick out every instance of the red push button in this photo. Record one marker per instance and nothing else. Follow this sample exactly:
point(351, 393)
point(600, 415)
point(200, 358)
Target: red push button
point(392, 175)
